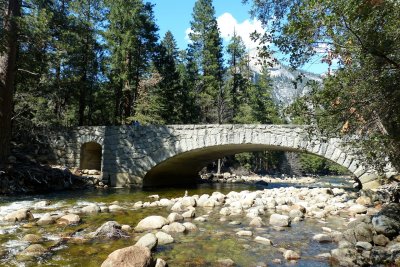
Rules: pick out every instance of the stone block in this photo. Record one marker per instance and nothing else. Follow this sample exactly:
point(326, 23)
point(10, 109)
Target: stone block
point(367, 177)
point(371, 185)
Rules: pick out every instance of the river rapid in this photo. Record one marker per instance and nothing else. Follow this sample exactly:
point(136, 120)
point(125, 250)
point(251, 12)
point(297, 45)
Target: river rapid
point(221, 225)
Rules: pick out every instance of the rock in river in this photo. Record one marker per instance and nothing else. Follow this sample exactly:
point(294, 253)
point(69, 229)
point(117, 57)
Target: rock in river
point(151, 223)
point(133, 256)
point(164, 238)
point(31, 238)
point(174, 227)
point(46, 219)
point(279, 220)
point(69, 219)
point(148, 240)
point(109, 230)
point(34, 250)
point(19, 215)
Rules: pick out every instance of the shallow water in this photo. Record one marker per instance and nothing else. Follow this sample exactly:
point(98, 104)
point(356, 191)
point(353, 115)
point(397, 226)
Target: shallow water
point(214, 240)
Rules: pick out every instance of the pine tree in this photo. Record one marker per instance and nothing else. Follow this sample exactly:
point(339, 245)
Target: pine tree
point(237, 65)
point(10, 11)
point(169, 88)
point(131, 37)
point(84, 49)
point(206, 45)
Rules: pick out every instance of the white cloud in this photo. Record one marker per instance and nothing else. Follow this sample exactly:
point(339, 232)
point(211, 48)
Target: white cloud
point(228, 24)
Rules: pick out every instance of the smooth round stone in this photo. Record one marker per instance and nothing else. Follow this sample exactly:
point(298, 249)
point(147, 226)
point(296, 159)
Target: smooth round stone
point(174, 227)
point(32, 238)
point(244, 233)
point(263, 240)
point(164, 238)
point(69, 219)
point(151, 223)
point(291, 255)
point(322, 238)
point(148, 240)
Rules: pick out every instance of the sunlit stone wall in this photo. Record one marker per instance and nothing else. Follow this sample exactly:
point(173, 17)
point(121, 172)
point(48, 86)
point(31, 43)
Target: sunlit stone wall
point(156, 155)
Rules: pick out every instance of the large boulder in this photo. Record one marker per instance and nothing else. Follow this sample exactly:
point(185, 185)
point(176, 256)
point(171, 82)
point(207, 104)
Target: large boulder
point(109, 230)
point(19, 215)
point(151, 223)
point(133, 256)
point(279, 220)
point(387, 221)
point(345, 256)
point(148, 240)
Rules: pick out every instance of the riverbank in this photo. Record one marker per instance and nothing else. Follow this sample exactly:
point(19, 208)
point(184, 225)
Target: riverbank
point(254, 227)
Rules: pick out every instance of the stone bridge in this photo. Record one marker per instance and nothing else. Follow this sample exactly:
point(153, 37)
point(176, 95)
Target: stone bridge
point(172, 154)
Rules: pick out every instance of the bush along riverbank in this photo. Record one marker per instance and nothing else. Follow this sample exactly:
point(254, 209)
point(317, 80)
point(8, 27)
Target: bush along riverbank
point(367, 234)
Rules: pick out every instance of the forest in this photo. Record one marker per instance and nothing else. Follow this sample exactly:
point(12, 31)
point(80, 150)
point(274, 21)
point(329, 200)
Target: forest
point(102, 62)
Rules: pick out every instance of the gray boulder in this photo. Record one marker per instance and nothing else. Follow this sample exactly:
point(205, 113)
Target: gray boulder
point(109, 230)
point(133, 256)
point(387, 221)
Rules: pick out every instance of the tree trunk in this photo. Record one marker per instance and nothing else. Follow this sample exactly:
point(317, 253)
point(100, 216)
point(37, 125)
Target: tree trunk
point(7, 75)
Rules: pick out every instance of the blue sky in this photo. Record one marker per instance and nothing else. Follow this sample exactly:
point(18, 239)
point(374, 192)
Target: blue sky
point(175, 15)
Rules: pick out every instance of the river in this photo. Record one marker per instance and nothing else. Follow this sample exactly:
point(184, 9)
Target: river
point(215, 238)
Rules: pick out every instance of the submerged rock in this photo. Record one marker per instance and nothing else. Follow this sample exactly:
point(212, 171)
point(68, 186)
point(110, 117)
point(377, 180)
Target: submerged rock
point(244, 233)
point(32, 238)
point(225, 263)
point(133, 256)
point(322, 238)
point(34, 250)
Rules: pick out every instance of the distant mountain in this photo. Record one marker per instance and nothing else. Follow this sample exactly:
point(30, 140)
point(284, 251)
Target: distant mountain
point(286, 87)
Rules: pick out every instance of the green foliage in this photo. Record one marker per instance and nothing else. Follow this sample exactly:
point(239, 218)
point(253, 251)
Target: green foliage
point(131, 39)
point(360, 38)
point(312, 164)
point(206, 49)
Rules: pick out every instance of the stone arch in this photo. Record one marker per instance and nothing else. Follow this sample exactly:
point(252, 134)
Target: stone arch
point(184, 167)
point(91, 156)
